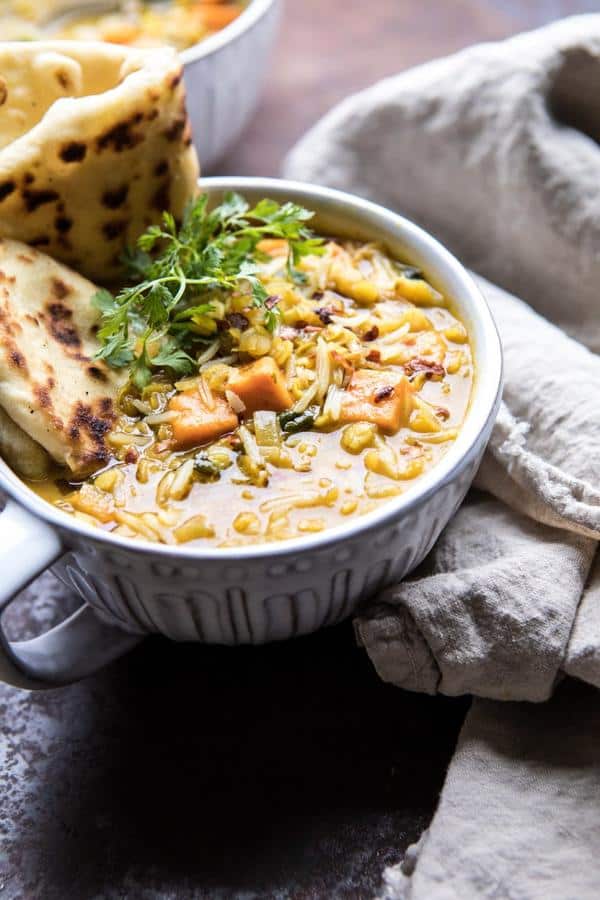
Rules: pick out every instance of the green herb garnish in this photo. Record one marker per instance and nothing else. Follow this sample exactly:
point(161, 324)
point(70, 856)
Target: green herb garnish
point(206, 468)
point(181, 273)
point(293, 422)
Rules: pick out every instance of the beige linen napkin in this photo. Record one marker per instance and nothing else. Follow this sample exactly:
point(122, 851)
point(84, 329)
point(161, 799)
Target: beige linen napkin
point(456, 144)
point(518, 817)
point(495, 151)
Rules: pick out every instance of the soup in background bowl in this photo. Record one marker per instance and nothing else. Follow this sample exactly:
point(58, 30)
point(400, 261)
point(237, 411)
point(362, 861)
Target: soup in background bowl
point(135, 23)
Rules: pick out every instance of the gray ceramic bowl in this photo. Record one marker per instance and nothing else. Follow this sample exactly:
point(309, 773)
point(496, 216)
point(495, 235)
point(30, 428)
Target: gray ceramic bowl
point(224, 75)
point(254, 594)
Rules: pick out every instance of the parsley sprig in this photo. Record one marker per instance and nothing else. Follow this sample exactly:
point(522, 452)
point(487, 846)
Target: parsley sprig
point(179, 273)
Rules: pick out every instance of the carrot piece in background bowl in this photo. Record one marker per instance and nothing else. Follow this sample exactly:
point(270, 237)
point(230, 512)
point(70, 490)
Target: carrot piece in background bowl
point(217, 15)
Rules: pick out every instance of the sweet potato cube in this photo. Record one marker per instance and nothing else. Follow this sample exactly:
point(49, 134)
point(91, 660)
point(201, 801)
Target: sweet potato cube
point(197, 424)
point(91, 500)
point(261, 385)
point(383, 398)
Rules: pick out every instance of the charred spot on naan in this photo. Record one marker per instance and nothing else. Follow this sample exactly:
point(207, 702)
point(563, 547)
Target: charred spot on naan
point(60, 290)
point(9, 325)
point(114, 229)
point(88, 428)
point(32, 200)
point(122, 136)
point(42, 394)
point(162, 196)
point(16, 358)
point(59, 321)
point(63, 224)
point(7, 188)
point(73, 151)
point(116, 197)
point(176, 128)
point(58, 318)
point(64, 79)
point(97, 373)
point(175, 80)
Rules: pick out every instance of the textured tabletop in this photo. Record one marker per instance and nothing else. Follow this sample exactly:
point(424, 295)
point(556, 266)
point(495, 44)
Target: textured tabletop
point(286, 771)
point(187, 772)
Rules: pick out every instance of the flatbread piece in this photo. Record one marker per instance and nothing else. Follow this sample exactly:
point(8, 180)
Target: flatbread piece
point(94, 144)
point(50, 384)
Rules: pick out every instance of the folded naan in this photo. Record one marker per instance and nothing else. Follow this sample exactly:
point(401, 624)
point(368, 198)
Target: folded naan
point(94, 144)
point(50, 384)
point(22, 453)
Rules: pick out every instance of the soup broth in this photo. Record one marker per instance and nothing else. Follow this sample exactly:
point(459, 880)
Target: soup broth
point(358, 390)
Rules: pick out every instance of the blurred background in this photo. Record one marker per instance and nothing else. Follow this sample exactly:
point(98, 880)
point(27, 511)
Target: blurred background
point(329, 48)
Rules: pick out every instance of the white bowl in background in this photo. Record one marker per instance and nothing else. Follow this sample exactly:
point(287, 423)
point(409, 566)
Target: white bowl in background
point(224, 75)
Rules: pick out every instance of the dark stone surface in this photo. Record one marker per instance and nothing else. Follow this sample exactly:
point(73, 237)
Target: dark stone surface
point(286, 771)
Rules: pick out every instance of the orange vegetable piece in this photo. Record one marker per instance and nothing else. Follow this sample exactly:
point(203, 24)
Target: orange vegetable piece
point(198, 424)
point(91, 500)
point(123, 33)
point(260, 385)
point(273, 246)
point(218, 15)
point(383, 398)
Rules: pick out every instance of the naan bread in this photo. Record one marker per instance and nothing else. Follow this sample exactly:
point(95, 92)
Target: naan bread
point(50, 385)
point(22, 453)
point(94, 144)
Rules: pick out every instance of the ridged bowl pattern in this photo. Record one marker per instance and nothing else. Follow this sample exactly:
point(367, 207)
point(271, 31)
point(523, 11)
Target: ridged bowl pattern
point(259, 600)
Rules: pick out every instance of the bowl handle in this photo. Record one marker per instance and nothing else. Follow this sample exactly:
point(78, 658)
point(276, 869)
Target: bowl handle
point(80, 645)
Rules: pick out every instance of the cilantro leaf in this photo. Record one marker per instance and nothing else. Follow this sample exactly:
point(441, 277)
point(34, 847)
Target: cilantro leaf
point(104, 301)
point(141, 368)
point(180, 273)
point(174, 358)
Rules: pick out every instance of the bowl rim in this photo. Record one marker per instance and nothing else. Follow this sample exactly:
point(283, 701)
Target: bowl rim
point(483, 407)
point(249, 17)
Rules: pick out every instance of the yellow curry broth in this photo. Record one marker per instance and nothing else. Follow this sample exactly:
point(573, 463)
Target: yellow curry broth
point(359, 312)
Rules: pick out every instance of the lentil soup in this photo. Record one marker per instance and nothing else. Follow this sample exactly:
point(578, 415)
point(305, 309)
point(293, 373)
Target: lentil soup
point(348, 383)
point(135, 23)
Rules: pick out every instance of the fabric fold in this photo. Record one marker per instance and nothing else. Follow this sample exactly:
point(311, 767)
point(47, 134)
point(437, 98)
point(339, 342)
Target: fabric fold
point(467, 134)
point(490, 613)
point(546, 441)
point(518, 816)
